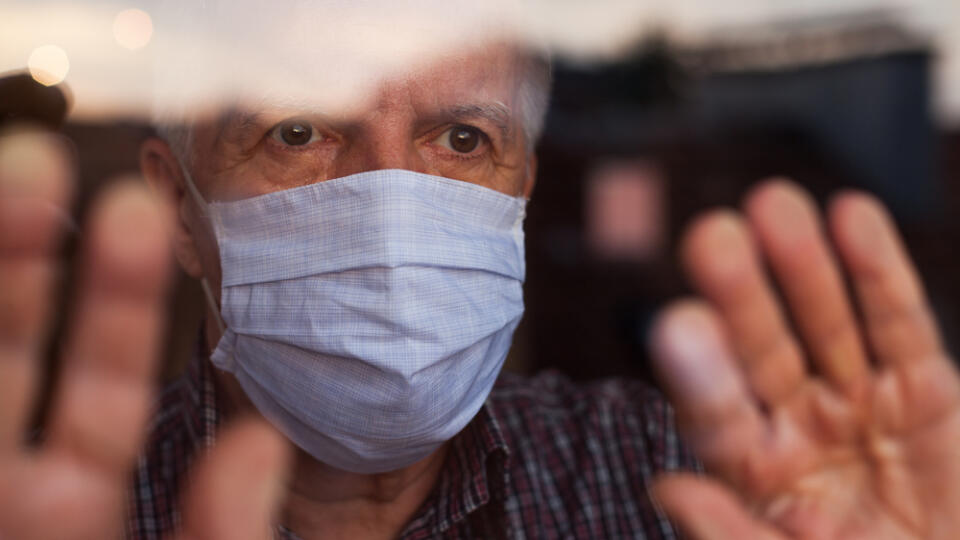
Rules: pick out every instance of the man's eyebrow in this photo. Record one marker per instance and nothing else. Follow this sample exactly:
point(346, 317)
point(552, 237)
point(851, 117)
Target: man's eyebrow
point(497, 113)
point(236, 120)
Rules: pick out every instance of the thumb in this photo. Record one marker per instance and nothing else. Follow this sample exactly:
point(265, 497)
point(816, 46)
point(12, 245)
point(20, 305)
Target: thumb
point(707, 510)
point(237, 487)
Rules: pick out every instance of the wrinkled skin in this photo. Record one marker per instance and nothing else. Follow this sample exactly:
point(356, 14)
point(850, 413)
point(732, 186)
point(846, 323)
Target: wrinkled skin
point(846, 429)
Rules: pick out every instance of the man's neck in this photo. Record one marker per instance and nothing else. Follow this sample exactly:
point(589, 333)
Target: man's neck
point(324, 502)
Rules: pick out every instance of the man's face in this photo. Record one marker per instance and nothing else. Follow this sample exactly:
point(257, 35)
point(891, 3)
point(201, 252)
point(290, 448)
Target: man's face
point(457, 117)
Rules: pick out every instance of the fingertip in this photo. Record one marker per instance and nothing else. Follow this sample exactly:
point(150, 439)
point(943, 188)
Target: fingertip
point(849, 204)
point(36, 164)
point(780, 206)
point(237, 489)
point(128, 238)
point(35, 189)
point(263, 444)
point(667, 489)
point(129, 198)
point(683, 319)
point(676, 313)
point(863, 231)
point(676, 494)
point(848, 209)
point(772, 190)
point(690, 352)
point(253, 445)
point(719, 225)
point(706, 509)
point(718, 252)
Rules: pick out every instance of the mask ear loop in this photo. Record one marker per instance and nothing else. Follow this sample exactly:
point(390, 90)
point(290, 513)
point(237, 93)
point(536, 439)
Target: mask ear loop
point(208, 293)
point(194, 192)
point(204, 208)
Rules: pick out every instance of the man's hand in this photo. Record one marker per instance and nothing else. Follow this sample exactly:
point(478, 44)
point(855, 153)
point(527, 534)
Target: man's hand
point(867, 447)
point(851, 429)
point(74, 485)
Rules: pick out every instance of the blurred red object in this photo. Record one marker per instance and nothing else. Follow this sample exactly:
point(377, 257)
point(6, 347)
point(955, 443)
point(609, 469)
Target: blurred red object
point(626, 211)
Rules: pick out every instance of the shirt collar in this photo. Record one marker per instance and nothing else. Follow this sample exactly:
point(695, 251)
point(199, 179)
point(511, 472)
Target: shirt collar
point(474, 474)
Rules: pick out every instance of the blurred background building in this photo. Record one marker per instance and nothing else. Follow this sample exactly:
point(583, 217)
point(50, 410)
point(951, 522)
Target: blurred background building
point(633, 149)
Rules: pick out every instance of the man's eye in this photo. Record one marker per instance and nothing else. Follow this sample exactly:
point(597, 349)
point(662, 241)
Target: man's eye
point(460, 139)
point(294, 133)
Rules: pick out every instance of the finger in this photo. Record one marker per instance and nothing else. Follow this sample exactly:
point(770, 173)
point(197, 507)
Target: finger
point(235, 492)
point(34, 189)
point(705, 510)
point(722, 260)
point(105, 387)
point(716, 413)
point(898, 320)
point(788, 228)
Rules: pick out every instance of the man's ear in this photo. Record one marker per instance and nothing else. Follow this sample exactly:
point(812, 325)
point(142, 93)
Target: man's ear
point(162, 171)
point(531, 175)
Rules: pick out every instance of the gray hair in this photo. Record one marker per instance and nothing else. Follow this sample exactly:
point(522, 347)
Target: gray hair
point(533, 100)
point(179, 136)
point(534, 95)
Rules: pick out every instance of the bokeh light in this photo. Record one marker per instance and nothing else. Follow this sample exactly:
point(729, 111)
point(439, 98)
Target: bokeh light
point(132, 28)
point(48, 65)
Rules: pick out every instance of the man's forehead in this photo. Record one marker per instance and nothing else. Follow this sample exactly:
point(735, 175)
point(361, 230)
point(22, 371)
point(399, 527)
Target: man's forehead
point(481, 83)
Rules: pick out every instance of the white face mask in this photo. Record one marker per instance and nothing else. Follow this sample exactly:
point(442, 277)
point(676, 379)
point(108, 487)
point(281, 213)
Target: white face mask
point(368, 316)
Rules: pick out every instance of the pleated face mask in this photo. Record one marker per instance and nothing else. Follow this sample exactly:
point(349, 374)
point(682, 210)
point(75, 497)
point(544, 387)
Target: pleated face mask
point(368, 316)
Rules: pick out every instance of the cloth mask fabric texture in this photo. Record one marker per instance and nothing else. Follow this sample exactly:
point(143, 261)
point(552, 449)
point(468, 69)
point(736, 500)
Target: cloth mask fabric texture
point(367, 317)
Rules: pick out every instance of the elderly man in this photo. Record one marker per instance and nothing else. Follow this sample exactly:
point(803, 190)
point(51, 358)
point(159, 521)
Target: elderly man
point(363, 273)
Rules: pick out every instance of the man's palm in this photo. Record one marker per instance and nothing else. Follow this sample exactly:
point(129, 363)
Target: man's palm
point(74, 484)
point(850, 436)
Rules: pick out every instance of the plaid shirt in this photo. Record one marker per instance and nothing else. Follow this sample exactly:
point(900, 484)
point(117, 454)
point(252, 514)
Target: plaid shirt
point(544, 458)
